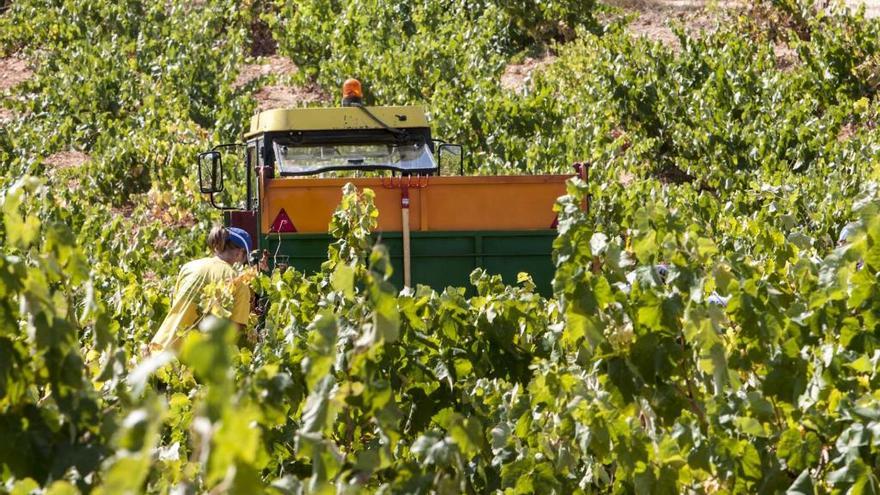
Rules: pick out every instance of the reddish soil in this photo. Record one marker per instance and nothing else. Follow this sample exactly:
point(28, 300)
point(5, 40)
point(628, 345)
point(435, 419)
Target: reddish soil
point(625, 178)
point(847, 131)
point(786, 57)
point(126, 209)
point(13, 71)
point(654, 18)
point(66, 159)
point(517, 76)
point(273, 65)
point(281, 96)
point(850, 129)
point(872, 7)
point(278, 95)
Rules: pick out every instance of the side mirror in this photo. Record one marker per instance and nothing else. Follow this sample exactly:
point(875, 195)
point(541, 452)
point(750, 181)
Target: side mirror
point(210, 172)
point(452, 154)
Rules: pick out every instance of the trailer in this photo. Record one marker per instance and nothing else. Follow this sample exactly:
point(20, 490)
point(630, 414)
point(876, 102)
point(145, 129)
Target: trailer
point(437, 228)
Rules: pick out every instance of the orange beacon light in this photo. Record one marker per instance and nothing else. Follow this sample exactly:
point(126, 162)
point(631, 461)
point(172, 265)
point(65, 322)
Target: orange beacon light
point(352, 94)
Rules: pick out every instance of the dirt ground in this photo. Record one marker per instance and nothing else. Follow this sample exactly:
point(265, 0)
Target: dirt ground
point(654, 15)
point(274, 64)
point(13, 71)
point(516, 76)
point(652, 20)
point(66, 159)
point(872, 7)
point(278, 95)
point(283, 96)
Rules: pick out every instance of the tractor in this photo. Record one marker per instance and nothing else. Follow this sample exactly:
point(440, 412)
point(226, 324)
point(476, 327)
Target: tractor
point(437, 228)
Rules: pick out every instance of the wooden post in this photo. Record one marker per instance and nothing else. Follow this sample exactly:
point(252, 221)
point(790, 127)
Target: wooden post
point(404, 212)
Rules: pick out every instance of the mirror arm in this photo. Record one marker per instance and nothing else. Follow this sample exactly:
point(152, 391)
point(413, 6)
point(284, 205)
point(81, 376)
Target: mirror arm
point(221, 207)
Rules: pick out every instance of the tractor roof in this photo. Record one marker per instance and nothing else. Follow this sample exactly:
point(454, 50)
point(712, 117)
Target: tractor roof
point(340, 118)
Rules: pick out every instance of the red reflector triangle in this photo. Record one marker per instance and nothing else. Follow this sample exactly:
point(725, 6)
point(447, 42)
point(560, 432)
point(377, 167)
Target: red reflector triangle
point(282, 223)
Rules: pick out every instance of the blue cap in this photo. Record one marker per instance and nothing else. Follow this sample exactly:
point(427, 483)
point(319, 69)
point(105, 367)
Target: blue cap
point(240, 238)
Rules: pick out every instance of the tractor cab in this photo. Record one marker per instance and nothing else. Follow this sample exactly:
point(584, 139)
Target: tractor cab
point(437, 224)
point(316, 141)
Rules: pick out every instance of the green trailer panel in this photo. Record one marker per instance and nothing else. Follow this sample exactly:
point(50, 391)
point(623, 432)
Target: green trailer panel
point(438, 259)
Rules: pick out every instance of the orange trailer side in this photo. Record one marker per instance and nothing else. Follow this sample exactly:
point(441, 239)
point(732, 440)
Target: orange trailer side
point(453, 203)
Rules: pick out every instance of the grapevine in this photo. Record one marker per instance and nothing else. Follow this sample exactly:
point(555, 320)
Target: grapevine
point(713, 326)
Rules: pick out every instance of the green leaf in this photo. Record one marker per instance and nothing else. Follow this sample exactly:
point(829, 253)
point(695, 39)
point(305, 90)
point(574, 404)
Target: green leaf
point(867, 484)
point(861, 365)
point(803, 485)
point(342, 279)
point(706, 248)
point(126, 476)
point(467, 433)
point(24, 487)
point(386, 318)
point(237, 444)
point(750, 461)
point(318, 411)
point(62, 488)
point(646, 247)
point(750, 426)
point(137, 379)
point(651, 314)
point(800, 451)
point(209, 352)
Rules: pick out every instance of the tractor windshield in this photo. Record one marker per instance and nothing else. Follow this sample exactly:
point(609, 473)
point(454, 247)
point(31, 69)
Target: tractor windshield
point(314, 159)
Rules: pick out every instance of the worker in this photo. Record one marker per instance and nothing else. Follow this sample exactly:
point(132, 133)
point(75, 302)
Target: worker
point(230, 247)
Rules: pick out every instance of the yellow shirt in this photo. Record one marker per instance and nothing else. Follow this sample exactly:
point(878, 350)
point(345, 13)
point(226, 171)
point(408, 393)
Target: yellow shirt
point(185, 313)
